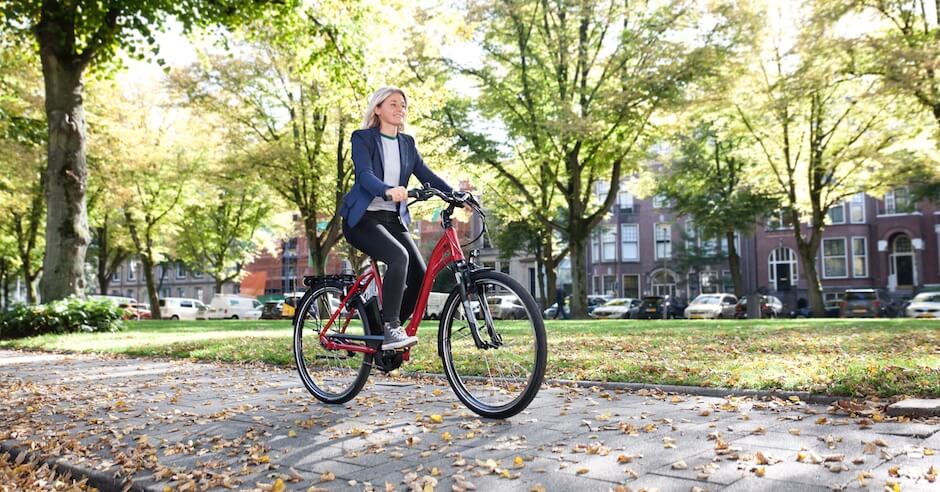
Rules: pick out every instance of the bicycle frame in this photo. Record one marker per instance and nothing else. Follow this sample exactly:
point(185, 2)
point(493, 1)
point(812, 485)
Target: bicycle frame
point(446, 251)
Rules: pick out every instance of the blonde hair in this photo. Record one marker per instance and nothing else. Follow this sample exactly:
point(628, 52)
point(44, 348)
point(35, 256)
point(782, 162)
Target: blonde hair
point(370, 119)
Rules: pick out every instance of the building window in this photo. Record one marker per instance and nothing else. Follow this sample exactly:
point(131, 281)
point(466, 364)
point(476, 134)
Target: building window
point(663, 283)
point(116, 276)
point(131, 272)
point(691, 236)
point(835, 259)
point(181, 292)
point(778, 220)
point(630, 242)
point(504, 267)
point(197, 274)
point(898, 201)
point(596, 285)
point(609, 243)
point(859, 256)
point(625, 199)
point(165, 292)
point(631, 286)
point(659, 201)
point(709, 282)
point(857, 208)
point(199, 293)
point(601, 188)
point(837, 214)
point(610, 285)
point(663, 238)
point(595, 246)
point(130, 293)
point(180, 271)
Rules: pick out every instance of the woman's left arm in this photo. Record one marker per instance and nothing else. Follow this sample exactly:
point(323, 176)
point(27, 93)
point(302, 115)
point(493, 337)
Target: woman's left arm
point(426, 175)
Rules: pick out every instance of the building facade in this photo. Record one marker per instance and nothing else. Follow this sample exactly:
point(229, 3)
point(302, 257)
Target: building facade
point(172, 279)
point(884, 242)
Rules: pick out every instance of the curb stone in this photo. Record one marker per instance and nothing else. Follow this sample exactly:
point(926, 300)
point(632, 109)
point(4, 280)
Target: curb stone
point(100, 480)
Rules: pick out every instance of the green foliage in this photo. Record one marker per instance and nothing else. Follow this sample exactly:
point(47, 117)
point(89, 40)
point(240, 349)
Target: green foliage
point(710, 179)
point(69, 315)
point(576, 86)
point(96, 30)
point(222, 230)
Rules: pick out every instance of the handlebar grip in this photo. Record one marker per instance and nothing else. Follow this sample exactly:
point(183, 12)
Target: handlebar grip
point(412, 193)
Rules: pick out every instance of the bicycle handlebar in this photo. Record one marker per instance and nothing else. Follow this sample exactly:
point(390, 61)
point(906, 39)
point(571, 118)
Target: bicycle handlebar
point(455, 198)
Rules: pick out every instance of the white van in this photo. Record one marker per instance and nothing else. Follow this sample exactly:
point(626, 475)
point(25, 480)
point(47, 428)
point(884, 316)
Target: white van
point(177, 308)
point(232, 306)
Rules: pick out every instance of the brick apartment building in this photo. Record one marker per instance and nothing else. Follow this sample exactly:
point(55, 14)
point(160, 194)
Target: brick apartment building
point(879, 242)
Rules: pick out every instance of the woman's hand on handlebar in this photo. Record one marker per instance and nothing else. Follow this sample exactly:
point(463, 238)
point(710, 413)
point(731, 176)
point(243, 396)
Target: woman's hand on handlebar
point(397, 194)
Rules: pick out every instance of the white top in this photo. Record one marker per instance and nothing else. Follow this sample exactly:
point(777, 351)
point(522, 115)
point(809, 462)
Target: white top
point(392, 174)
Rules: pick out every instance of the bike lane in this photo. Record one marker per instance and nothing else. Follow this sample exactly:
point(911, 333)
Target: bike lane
point(153, 424)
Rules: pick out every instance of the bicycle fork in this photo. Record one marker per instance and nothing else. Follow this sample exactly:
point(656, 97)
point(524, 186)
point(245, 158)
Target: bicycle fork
point(467, 288)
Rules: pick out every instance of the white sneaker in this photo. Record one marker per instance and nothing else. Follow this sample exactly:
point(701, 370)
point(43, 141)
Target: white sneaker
point(395, 337)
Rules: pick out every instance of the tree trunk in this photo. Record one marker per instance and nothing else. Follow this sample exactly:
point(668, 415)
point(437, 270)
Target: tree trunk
point(812, 281)
point(218, 284)
point(578, 280)
point(6, 285)
point(734, 264)
point(147, 261)
point(66, 172)
point(317, 254)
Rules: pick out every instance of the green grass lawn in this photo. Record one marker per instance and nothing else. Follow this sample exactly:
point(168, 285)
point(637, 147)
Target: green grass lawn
point(840, 357)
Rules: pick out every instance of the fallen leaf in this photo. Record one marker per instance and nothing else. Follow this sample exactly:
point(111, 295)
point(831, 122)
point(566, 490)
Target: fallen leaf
point(436, 418)
point(327, 476)
point(680, 465)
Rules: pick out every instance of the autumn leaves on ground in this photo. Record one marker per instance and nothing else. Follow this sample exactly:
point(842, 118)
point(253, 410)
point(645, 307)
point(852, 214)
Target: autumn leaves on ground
point(839, 357)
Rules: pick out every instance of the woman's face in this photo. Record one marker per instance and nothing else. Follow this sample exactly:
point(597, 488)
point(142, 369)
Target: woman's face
point(393, 110)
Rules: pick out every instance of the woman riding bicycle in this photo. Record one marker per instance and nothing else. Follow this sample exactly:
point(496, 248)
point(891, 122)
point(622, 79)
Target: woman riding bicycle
point(375, 219)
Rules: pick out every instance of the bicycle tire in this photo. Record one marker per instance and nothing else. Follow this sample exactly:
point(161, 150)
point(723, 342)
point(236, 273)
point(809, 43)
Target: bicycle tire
point(464, 385)
point(348, 383)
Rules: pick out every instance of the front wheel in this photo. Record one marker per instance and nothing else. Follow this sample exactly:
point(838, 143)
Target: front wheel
point(493, 382)
point(332, 376)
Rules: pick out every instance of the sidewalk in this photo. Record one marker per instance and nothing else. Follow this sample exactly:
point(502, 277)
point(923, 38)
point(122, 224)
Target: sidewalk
point(192, 425)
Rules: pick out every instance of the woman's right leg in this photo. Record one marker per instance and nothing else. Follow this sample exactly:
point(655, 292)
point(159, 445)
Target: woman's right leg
point(372, 237)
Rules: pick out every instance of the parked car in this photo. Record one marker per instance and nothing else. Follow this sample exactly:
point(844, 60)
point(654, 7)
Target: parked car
point(229, 306)
point(618, 308)
point(177, 308)
point(924, 305)
point(140, 310)
point(656, 307)
point(770, 307)
point(712, 306)
point(125, 303)
point(290, 304)
point(593, 302)
point(272, 309)
point(863, 303)
point(253, 314)
point(832, 309)
point(435, 305)
point(505, 307)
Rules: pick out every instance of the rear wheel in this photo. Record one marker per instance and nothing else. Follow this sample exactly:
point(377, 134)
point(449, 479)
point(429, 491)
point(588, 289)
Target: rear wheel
point(494, 382)
point(332, 376)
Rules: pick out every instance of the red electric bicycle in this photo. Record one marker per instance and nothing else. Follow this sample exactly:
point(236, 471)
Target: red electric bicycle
point(491, 338)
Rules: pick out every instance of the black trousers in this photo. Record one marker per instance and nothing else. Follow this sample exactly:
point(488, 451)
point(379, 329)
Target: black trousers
point(381, 235)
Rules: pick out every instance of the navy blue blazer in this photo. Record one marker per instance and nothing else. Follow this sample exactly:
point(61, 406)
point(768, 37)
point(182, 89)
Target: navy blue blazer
point(368, 161)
